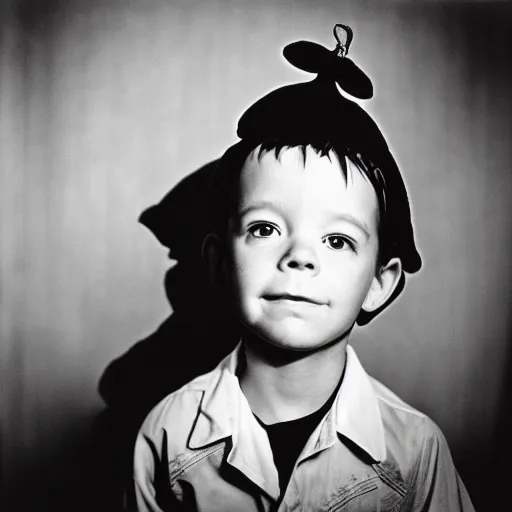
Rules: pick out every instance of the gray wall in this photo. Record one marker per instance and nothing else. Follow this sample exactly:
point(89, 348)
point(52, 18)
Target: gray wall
point(106, 105)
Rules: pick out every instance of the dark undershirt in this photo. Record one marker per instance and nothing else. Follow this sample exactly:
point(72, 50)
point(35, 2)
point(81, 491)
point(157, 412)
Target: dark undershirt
point(288, 438)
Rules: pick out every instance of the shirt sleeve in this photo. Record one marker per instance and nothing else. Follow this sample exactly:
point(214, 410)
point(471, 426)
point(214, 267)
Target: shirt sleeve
point(142, 496)
point(150, 490)
point(436, 486)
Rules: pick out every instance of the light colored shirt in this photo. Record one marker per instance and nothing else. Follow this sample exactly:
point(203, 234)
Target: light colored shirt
point(202, 449)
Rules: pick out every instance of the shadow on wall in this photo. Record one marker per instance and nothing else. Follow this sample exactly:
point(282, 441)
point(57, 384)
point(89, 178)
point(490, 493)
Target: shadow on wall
point(190, 342)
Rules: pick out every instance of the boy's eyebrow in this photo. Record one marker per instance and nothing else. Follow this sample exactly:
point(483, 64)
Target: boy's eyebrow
point(260, 205)
point(347, 217)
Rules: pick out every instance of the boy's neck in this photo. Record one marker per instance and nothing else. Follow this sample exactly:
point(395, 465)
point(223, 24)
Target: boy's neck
point(283, 385)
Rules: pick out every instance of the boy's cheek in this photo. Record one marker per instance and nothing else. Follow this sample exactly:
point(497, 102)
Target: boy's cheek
point(248, 259)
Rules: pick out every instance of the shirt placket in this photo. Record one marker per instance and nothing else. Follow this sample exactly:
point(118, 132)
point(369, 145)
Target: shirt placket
point(322, 438)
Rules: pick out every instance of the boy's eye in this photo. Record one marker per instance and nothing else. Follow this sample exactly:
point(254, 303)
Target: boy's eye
point(336, 242)
point(262, 230)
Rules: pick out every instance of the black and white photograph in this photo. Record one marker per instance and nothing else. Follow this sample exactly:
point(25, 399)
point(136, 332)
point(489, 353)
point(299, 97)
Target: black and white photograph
point(255, 255)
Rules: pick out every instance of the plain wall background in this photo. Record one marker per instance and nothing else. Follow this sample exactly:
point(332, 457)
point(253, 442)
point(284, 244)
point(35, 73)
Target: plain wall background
point(106, 105)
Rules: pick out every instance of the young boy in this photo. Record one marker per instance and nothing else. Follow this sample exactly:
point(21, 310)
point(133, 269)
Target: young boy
point(311, 234)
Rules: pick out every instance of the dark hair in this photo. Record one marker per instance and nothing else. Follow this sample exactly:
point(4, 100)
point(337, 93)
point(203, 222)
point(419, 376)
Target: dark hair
point(225, 191)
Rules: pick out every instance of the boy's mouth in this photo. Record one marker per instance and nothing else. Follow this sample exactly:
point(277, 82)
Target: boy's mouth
point(274, 297)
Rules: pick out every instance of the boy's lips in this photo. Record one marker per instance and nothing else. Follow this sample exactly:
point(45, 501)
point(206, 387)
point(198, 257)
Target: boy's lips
point(274, 297)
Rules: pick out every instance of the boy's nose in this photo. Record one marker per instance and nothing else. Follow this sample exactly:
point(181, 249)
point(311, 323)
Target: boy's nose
point(300, 257)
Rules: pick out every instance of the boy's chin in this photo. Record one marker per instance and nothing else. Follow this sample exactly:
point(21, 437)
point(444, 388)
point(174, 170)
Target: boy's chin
point(293, 340)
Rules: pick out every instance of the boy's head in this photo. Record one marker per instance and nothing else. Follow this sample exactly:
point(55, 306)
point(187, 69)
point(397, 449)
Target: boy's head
point(311, 216)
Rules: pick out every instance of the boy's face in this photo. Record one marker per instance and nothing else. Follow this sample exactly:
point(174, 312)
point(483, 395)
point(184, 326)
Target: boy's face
point(303, 247)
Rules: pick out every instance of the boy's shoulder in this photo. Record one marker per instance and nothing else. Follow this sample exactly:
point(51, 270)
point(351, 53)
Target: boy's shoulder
point(379, 415)
point(178, 411)
point(408, 431)
point(389, 400)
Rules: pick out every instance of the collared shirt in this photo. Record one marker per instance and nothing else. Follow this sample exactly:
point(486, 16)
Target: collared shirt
point(202, 449)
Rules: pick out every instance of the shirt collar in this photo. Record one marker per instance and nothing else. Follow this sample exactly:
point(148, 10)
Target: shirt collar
point(355, 415)
point(357, 409)
point(225, 412)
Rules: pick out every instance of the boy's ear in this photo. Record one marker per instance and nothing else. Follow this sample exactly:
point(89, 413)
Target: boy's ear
point(383, 285)
point(215, 260)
